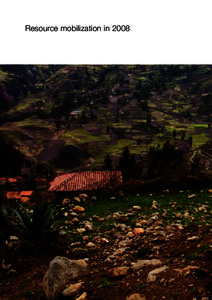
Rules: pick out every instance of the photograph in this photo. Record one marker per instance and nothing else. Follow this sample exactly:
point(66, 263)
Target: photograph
point(106, 181)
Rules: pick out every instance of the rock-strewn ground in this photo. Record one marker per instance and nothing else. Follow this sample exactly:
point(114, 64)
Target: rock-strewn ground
point(147, 256)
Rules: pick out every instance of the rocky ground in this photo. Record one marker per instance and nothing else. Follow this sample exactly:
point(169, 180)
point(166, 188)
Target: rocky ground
point(148, 259)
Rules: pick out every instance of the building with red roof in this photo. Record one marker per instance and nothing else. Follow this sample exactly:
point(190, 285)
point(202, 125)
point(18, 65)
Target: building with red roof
point(86, 181)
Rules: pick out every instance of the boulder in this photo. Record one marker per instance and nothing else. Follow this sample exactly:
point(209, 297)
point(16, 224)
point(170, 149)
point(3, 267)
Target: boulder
point(83, 196)
point(78, 209)
point(138, 231)
point(141, 263)
point(66, 201)
point(61, 271)
point(119, 272)
point(153, 273)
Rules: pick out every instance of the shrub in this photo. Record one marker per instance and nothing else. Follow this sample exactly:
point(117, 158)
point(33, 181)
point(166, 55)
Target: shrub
point(35, 229)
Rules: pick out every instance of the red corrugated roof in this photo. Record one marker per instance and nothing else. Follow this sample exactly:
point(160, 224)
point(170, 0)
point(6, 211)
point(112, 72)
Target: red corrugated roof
point(86, 181)
point(11, 180)
point(25, 199)
point(18, 195)
point(26, 193)
point(12, 195)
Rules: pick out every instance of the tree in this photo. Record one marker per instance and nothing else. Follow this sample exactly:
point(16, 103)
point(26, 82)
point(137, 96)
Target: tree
point(183, 135)
point(165, 162)
point(11, 160)
point(190, 139)
point(127, 165)
point(174, 134)
point(108, 163)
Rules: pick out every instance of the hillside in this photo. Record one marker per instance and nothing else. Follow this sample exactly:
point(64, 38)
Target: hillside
point(71, 117)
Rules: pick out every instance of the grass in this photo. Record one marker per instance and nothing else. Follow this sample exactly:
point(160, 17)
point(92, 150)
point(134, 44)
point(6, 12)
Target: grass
point(23, 105)
point(190, 257)
point(32, 122)
point(173, 203)
point(139, 286)
point(82, 136)
point(106, 283)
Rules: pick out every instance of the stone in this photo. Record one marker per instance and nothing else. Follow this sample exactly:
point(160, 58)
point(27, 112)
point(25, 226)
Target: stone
point(61, 270)
point(91, 245)
point(192, 238)
point(146, 262)
point(155, 205)
point(66, 201)
point(73, 214)
point(78, 209)
point(77, 199)
point(100, 220)
point(88, 227)
point(192, 196)
point(123, 218)
point(116, 215)
point(130, 234)
point(100, 240)
point(119, 252)
point(81, 230)
point(13, 238)
point(119, 272)
point(62, 233)
point(83, 196)
point(125, 243)
point(152, 274)
point(76, 244)
point(82, 297)
point(75, 220)
point(72, 289)
point(186, 214)
point(123, 227)
point(136, 297)
point(138, 231)
point(136, 207)
point(5, 267)
point(143, 222)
